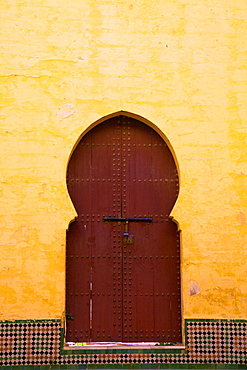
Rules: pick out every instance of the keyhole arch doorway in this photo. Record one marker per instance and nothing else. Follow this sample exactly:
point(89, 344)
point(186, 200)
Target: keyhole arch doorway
point(123, 248)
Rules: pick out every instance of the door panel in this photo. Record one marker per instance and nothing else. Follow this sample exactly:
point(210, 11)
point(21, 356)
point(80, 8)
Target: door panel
point(119, 288)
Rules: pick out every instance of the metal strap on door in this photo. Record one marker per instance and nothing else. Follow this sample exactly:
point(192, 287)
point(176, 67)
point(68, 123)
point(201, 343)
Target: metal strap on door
point(129, 239)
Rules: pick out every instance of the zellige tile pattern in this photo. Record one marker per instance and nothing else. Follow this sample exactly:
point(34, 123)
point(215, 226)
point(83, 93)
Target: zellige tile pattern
point(27, 343)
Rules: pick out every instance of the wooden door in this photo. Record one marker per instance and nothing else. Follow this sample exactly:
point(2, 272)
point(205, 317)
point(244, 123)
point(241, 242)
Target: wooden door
point(123, 250)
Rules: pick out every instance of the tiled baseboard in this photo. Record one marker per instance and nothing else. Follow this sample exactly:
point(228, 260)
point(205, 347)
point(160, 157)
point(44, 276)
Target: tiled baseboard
point(38, 345)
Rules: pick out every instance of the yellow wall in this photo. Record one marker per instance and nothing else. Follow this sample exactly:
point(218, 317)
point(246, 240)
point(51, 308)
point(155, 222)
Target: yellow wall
point(179, 64)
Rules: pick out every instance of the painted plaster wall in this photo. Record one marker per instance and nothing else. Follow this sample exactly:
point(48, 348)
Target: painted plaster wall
point(179, 64)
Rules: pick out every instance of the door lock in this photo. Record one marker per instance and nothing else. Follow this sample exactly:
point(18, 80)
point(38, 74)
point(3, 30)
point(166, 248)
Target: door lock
point(128, 239)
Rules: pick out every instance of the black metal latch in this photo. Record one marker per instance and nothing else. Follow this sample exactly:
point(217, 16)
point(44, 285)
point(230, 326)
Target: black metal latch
point(129, 239)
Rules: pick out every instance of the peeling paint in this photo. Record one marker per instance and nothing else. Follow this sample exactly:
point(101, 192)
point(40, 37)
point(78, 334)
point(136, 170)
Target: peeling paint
point(66, 111)
point(241, 218)
point(194, 288)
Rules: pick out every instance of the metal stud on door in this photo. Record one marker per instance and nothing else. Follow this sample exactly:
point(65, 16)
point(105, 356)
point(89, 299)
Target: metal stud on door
point(123, 182)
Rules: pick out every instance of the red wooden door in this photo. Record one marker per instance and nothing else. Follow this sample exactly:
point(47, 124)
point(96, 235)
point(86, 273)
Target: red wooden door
point(123, 250)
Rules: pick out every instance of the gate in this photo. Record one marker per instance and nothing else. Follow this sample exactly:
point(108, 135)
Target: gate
point(123, 250)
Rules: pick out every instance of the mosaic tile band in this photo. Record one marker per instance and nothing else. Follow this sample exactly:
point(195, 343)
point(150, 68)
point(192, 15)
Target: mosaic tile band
point(26, 343)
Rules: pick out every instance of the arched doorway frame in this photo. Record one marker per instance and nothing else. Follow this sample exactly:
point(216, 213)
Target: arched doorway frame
point(158, 131)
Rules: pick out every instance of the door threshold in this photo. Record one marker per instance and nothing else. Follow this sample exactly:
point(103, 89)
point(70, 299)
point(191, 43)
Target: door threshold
point(122, 345)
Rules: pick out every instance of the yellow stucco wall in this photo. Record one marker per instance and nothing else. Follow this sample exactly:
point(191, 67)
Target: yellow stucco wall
point(179, 64)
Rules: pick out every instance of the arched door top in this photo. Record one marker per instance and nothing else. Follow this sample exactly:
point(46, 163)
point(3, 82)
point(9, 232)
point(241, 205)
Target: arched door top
point(136, 117)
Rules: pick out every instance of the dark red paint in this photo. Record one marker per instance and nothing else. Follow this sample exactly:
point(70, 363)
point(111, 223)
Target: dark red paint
point(116, 291)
